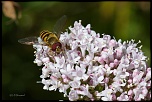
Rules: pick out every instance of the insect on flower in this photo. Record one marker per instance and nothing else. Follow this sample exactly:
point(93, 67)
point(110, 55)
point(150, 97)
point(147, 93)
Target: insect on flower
point(50, 39)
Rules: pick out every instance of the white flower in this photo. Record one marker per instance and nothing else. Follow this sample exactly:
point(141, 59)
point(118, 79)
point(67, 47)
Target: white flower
point(137, 78)
point(84, 90)
point(106, 95)
point(75, 83)
point(123, 97)
point(60, 61)
point(73, 95)
point(63, 88)
point(46, 83)
point(79, 73)
point(72, 57)
point(93, 67)
point(55, 84)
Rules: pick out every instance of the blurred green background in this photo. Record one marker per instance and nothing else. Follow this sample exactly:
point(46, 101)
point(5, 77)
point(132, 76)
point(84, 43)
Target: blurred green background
point(123, 20)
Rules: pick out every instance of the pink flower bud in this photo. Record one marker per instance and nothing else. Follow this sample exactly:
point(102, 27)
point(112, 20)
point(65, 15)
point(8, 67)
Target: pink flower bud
point(116, 62)
point(100, 60)
point(130, 81)
point(105, 57)
point(135, 72)
point(119, 53)
point(112, 65)
point(63, 76)
point(65, 80)
point(130, 92)
point(112, 43)
point(106, 66)
point(106, 80)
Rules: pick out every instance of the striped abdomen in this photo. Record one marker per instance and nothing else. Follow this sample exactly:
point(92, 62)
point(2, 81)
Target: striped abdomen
point(49, 37)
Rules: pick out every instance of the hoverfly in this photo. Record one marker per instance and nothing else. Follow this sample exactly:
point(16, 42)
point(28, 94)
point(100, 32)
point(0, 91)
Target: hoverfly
point(50, 39)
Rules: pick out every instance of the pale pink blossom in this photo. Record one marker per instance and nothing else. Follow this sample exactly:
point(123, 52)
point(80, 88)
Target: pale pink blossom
point(94, 67)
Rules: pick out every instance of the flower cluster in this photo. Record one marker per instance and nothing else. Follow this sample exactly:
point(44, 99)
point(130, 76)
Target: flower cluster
point(91, 67)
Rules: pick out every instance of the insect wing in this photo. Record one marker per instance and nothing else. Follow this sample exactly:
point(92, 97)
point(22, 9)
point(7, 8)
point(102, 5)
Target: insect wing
point(58, 27)
point(29, 40)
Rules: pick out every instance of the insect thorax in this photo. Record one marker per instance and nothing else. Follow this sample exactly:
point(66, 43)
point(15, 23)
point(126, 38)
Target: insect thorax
point(52, 40)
